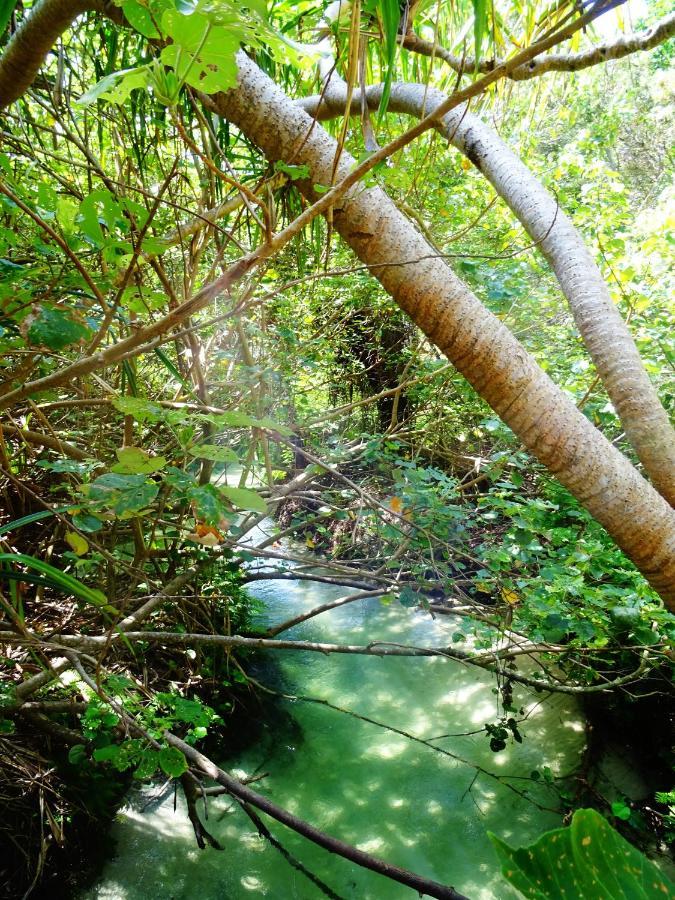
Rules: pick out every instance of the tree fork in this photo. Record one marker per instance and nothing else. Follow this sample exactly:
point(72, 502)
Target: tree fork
point(480, 347)
point(638, 518)
point(603, 330)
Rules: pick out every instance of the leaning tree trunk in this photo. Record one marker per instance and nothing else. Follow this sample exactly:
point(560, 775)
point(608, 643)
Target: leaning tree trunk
point(479, 345)
point(602, 329)
point(35, 37)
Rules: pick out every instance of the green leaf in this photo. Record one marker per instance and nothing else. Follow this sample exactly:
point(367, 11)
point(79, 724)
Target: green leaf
point(408, 597)
point(57, 579)
point(141, 410)
point(245, 499)
point(202, 53)
point(116, 87)
point(480, 25)
point(621, 810)
point(29, 519)
point(147, 765)
point(180, 481)
point(123, 494)
point(293, 172)
point(161, 355)
point(172, 762)
point(135, 461)
point(588, 859)
point(47, 198)
point(77, 754)
point(390, 13)
point(192, 711)
point(6, 9)
point(87, 522)
point(109, 753)
point(214, 453)
point(56, 328)
point(208, 504)
point(236, 419)
point(99, 207)
point(139, 18)
point(72, 466)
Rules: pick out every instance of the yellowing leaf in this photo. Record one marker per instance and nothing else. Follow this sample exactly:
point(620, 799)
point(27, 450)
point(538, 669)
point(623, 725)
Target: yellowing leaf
point(510, 597)
point(396, 505)
point(78, 544)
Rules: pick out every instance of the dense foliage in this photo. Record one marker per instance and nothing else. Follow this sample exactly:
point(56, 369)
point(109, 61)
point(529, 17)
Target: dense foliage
point(143, 443)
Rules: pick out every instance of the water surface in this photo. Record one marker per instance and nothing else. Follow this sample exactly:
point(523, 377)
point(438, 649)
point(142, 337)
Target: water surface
point(367, 785)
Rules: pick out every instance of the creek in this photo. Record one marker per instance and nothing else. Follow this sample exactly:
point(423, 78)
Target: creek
point(390, 796)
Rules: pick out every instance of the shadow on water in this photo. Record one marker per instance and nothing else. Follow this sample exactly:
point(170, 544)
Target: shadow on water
point(377, 789)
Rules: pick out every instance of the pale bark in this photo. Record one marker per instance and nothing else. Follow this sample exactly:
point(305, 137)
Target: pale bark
point(602, 328)
point(479, 345)
point(554, 62)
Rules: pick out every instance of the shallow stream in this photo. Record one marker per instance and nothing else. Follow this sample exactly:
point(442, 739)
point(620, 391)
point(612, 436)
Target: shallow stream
point(388, 795)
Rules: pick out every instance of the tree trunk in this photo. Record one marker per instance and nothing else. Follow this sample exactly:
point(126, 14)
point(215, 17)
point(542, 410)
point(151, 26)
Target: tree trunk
point(35, 37)
point(504, 374)
point(478, 344)
point(602, 329)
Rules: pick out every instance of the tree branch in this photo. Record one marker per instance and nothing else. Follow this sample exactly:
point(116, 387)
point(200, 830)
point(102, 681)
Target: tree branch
point(490, 663)
point(46, 440)
point(556, 62)
point(36, 35)
point(332, 844)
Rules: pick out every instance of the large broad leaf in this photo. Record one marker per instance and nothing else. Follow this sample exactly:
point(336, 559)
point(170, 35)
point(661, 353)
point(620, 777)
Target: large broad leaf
point(235, 419)
point(125, 495)
point(56, 328)
point(141, 410)
point(245, 499)
point(139, 18)
point(214, 453)
point(587, 861)
point(136, 461)
point(117, 86)
point(172, 762)
point(208, 504)
point(202, 53)
point(99, 207)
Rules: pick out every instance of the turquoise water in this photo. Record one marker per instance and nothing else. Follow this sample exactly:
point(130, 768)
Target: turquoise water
point(386, 794)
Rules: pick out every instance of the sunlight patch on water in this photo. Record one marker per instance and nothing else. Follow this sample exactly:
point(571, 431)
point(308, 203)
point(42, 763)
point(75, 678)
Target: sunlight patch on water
point(387, 795)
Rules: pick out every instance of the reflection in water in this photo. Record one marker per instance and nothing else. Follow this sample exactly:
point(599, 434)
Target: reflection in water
point(371, 787)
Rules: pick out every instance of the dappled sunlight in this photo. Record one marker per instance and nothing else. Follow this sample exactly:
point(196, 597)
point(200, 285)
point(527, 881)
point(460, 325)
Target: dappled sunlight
point(387, 751)
point(374, 845)
point(252, 883)
point(378, 790)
